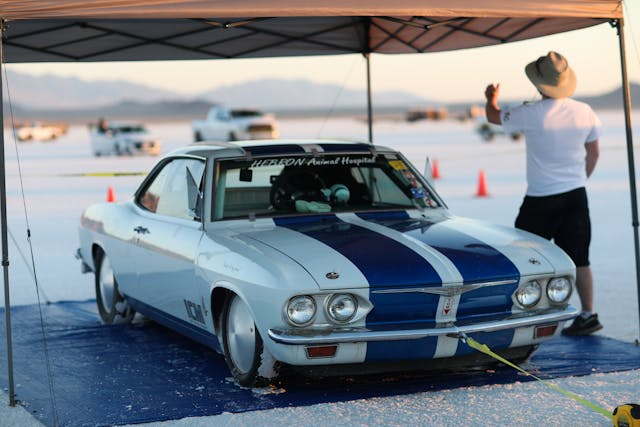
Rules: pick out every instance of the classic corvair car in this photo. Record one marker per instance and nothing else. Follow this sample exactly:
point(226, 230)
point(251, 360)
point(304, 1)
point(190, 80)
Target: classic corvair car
point(317, 254)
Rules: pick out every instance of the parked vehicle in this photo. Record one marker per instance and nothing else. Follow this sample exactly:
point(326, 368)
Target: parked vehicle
point(122, 138)
point(224, 124)
point(319, 254)
point(40, 131)
point(488, 132)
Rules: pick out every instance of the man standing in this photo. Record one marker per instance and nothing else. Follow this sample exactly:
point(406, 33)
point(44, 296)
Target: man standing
point(562, 150)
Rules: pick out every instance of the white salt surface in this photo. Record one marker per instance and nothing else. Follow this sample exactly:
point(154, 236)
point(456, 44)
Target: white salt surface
point(55, 195)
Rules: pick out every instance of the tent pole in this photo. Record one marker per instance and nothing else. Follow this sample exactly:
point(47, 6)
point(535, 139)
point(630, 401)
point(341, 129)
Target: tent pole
point(369, 102)
point(3, 226)
point(619, 24)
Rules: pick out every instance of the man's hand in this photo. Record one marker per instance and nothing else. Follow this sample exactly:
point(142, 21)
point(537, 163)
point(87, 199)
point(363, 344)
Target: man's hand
point(491, 108)
point(492, 92)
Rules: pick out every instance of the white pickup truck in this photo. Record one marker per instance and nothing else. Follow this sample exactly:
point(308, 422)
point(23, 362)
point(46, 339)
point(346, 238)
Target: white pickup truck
point(224, 124)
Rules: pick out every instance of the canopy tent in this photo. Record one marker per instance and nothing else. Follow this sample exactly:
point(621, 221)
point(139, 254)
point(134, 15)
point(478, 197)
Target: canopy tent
point(67, 30)
point(140, 30)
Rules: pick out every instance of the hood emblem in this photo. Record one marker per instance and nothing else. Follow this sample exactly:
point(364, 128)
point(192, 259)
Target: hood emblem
point(534, 261)
point(332, 275)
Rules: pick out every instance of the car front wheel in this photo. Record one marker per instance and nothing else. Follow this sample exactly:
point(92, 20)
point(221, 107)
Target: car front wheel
point(112, 306)
point(249, 362)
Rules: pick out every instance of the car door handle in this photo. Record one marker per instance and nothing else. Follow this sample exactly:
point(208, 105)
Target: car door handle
point(141, 230)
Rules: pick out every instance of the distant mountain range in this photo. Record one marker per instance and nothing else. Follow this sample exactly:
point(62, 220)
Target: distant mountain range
point(51, 97)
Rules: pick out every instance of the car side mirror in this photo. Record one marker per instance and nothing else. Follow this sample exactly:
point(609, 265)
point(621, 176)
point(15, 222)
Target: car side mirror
point(194, 196)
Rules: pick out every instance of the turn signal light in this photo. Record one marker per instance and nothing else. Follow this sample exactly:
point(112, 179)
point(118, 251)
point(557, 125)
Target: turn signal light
point(545, 331)
point(324, 351)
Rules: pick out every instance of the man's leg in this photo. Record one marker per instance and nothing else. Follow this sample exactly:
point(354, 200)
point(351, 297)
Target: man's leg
point(587, 323)
point(584, 285)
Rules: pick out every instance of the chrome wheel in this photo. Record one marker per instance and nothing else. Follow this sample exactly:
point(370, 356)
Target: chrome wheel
point(243, 348)
point(241, 336)
point(106, 285)
point(112, 306)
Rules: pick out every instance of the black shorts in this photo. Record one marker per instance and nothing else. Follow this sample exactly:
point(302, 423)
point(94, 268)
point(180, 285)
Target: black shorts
point(562, 217)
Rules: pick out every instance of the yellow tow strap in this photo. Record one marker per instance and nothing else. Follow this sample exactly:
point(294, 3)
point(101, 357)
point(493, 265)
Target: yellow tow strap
point(486, 350)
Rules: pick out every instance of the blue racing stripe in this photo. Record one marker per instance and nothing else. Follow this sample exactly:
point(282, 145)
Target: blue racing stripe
point(424, 348)
point(383, 261)
point(185, 328)
point(476, 260)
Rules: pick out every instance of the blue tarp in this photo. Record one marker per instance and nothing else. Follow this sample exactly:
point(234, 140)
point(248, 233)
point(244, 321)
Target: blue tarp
point(126, 374)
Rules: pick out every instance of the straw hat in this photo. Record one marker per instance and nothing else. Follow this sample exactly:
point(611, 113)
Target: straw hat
point(552, 76)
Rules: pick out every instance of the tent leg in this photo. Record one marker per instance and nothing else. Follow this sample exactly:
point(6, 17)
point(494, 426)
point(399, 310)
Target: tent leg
point(630, 157)
point(3, 226)
point(369, 102)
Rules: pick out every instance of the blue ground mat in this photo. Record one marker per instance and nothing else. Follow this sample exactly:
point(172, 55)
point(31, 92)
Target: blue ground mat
point(110, 375)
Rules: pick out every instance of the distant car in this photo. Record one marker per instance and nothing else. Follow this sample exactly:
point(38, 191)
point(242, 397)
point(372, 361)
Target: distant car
point(322, 254)
point(488, 132)
point(123, 138)
point(39, 131)
point(225, 124)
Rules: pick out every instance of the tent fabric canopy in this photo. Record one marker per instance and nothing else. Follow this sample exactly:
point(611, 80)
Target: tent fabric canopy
point(138, 30)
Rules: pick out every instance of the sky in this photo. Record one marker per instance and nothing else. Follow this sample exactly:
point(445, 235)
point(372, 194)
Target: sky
point(448, 76)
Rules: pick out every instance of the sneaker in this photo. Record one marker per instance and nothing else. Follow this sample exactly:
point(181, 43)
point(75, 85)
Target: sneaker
point(583, 326)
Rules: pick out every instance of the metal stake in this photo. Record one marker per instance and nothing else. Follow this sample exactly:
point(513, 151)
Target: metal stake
point(619, 24)
point(3, 226)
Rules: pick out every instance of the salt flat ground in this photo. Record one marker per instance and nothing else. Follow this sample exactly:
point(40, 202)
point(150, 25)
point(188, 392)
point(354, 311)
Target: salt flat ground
point(53, 179)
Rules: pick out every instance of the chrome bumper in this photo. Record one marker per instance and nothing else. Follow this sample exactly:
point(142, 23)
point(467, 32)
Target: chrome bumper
point(353, 335)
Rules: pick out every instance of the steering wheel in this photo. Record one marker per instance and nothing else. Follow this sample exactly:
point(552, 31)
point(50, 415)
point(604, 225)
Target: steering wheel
point(296, 184)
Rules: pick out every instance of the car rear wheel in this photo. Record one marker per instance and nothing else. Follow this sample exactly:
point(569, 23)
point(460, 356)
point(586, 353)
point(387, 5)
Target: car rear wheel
point(112, 306)
point(244, 351)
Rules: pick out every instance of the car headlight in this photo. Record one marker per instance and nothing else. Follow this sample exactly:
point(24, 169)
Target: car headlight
point(301, 310)
point(559, 290)
point(529, 294)
point(342, 307)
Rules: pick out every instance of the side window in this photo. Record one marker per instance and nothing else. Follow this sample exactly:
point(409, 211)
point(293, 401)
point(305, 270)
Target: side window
point(168, 194)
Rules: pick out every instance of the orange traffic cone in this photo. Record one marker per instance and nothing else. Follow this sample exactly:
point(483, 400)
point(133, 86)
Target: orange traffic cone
point(435, 170)
point(482, 185)
point(111, 195)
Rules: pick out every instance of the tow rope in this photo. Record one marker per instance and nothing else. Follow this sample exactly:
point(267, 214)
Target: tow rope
point(483, 348)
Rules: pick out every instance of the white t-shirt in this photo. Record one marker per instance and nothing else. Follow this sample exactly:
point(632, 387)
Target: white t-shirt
point(555, 131)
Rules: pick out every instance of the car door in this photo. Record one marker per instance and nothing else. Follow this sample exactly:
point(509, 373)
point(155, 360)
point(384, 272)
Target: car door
point(168, 235)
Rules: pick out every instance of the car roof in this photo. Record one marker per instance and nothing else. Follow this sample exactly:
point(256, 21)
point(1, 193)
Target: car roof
point(280, 147)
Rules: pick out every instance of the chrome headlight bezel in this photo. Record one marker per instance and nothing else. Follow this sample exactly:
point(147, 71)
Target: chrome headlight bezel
point(529, 294)
point(566, 289)
point(336, 302)
point(294, 308)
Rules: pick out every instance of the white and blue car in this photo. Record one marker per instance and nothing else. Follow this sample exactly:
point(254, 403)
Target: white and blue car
point(316, 255)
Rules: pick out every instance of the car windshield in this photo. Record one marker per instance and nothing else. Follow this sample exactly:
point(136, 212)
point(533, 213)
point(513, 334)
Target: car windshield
point(129, 129)
point(274, 186)
point(245, 113)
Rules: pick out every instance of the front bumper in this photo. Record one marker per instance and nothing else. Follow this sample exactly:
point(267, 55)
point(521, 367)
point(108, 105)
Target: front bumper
point(356, 335)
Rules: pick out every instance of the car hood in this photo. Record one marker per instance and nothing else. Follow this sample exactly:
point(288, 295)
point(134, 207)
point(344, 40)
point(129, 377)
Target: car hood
point(401, 249)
